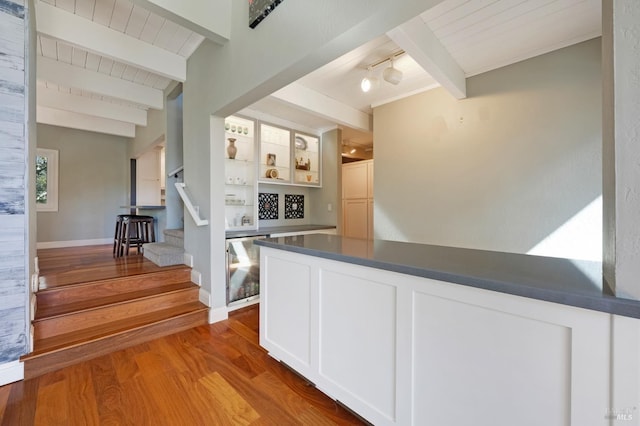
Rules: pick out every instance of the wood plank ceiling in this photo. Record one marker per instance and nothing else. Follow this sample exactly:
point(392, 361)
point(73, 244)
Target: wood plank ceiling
point(124, 17)
point(476, 35)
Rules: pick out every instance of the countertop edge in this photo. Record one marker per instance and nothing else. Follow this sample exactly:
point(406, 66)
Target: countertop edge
point(268, 230)
point(601, 303)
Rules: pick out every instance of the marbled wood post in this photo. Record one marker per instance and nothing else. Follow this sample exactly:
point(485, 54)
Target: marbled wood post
point(13, 171)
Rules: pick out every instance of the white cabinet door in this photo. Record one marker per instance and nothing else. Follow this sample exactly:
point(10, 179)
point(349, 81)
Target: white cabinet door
point(354, 180)
point(355, 218)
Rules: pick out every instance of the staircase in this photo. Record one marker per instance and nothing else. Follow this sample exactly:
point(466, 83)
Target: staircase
point(171, 252)
point(82, 321)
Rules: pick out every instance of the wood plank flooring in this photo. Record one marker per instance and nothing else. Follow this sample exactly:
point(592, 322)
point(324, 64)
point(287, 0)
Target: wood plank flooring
point(73, 265)
point(209, 375)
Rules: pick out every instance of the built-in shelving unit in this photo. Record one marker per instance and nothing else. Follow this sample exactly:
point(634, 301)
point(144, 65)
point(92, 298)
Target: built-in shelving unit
point(275, 154)
point(240, 174)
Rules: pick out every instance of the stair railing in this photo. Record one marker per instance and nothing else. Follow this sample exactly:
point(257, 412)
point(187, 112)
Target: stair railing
point(193, 210)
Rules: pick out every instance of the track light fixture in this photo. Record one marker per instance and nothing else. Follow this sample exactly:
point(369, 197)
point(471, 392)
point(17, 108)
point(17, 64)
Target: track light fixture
point(369, 82)
point(391, 75)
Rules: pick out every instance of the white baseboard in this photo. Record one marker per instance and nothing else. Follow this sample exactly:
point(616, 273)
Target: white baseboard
point(205, 297)
point(218, 314)
point(243, 304)
point(188, 260)
point(73, 243)
point(11, 372)
point(196, 278)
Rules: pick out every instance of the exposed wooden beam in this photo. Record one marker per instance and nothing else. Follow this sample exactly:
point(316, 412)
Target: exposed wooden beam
point(52, 98)
point(209, 18)
point(61, 25)
point(311, 101)
point(415, 38)
point(102, 84)
point(90, 123)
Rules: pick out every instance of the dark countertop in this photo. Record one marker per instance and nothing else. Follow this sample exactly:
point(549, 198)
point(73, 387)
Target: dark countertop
point(568, 282)
point(144, 207)
point(268, 230)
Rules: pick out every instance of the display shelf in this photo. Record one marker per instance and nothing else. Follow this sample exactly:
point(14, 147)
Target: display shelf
point(240, 173)
point(306, 160)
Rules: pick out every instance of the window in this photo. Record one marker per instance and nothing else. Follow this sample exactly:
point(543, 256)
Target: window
point(47, 180)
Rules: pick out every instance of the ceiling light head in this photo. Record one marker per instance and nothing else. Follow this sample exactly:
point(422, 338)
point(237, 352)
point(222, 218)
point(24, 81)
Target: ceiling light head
point(392, 75)
point(368, 83)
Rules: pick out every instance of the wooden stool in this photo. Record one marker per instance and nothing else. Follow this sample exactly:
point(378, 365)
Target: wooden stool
point(132, 230)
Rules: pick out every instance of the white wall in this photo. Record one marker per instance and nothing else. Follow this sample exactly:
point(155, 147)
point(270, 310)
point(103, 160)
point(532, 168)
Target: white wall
point(501, 170)
point(93, 184)
point(221, 80)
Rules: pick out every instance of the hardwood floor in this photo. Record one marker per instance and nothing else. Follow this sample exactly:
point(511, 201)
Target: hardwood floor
point(209, 375)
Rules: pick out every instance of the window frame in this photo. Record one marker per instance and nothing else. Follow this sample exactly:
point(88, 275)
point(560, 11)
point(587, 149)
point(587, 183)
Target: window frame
point(52, 157)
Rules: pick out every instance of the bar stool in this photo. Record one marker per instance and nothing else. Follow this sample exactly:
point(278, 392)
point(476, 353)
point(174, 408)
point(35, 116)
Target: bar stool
point(132, 230)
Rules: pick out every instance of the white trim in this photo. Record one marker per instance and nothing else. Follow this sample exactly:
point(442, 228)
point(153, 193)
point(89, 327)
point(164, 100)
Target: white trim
point(205, 297)
point(11, 372)
point(73, 243)
point(196, 277)
point(218, 314)
point(250, 301)
point(53, 166)
point(188, 260)
point(193, 210)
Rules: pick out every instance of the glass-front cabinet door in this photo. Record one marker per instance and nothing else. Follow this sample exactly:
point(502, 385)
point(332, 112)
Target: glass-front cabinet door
point(240, 174)
point(275, 154)
point(307, 160)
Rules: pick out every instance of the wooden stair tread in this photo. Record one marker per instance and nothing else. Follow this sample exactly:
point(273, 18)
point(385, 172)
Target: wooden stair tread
point(63, 341)
point(46, 312)
point(103, 279)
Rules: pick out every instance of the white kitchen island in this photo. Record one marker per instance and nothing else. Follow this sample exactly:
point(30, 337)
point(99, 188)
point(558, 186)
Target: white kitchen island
point(411, 334)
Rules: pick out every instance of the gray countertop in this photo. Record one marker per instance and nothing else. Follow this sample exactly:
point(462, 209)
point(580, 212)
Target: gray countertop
point(569, 282)
point(268, 230)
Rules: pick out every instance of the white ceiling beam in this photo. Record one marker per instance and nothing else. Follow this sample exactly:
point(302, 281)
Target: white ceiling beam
point(102, 84)
point(52, 98)
point(209, 18)
point(61, 25)
point(90, 123)
point(415, 38)
point(316, 103)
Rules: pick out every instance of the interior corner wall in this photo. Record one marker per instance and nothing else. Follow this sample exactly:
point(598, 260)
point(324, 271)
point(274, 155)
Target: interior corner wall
point(501, 170)
point(331, 181)
point(92, 184)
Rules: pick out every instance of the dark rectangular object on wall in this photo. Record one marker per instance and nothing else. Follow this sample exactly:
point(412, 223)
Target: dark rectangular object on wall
point(260, 9)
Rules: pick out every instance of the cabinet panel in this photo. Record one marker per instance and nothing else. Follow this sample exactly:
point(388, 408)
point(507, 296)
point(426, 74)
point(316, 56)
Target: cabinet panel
point(285, 315)
point(370, 179)
point(358, 344)
point(354, 180)
point(355, 218)
point(370, 218)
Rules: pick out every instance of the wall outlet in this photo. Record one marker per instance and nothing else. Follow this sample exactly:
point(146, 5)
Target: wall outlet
point(329, 207)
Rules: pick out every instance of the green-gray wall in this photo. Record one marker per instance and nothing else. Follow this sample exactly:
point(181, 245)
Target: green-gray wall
point(93, 184)
point(500, 170)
